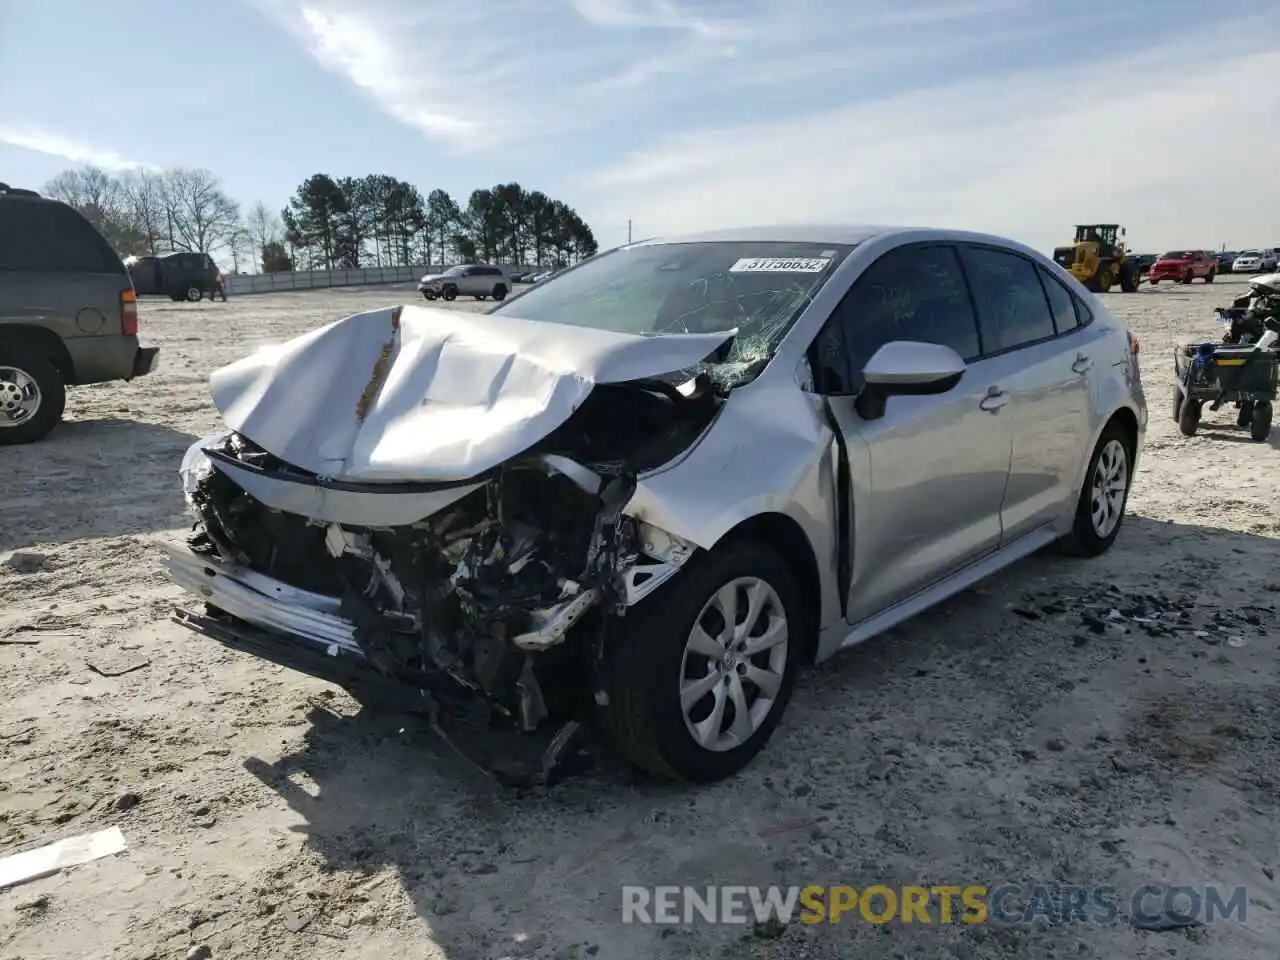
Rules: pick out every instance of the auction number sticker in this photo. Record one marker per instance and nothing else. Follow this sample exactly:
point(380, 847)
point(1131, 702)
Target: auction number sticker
point(780, 265)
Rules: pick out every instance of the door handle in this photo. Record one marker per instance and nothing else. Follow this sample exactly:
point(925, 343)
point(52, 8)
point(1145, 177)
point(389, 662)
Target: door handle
point(1082, 364)
point(994, 400)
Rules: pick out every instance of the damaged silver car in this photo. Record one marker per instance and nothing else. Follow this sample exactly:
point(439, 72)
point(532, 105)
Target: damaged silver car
point(640, 496)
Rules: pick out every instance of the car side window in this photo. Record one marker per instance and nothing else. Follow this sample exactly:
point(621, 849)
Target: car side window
point(1012, 307)
point(1061, 303)
point(42, 236)
point(911, 293)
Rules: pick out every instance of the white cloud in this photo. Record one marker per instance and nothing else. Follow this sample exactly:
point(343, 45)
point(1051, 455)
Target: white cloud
point(906, 111)
point(1162, 142)
point(76, 151)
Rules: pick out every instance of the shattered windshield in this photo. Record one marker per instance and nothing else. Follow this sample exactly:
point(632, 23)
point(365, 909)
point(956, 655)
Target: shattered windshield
point(758, 287)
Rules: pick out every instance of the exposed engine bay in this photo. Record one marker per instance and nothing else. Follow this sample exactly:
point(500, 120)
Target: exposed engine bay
point(503, 596)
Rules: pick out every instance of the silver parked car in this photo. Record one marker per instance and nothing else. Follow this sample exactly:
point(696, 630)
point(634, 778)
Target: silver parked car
point(643, 493)
point(467, 279)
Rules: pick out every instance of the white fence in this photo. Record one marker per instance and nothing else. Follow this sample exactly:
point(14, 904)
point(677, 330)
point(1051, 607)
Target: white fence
point(320, 279)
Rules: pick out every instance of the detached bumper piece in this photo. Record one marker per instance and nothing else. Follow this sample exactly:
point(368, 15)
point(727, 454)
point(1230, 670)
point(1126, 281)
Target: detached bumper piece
point(145, 361)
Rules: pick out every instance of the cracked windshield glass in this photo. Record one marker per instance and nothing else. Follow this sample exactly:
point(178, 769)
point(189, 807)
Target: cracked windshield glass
point(758, 288)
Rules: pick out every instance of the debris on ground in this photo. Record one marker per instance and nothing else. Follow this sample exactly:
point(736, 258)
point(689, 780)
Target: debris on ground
point(70, 852)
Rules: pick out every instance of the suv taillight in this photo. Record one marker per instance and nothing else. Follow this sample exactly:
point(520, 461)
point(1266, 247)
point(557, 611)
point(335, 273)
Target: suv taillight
point(128, 313)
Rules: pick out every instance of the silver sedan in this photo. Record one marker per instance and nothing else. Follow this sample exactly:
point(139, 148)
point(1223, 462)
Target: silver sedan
point(640, 495)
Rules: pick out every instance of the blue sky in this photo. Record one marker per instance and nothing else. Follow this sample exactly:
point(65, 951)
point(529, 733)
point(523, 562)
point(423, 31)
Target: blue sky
point(1017, 116)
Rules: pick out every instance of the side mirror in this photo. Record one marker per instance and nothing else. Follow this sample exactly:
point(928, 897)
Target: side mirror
point(907, 368)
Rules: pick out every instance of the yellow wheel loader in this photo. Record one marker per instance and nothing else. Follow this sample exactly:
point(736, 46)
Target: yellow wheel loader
point(1099, 259)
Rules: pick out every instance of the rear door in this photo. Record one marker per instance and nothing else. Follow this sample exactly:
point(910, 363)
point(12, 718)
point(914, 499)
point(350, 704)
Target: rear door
point(926, 498)
point(57, 271)
point(1031, 332)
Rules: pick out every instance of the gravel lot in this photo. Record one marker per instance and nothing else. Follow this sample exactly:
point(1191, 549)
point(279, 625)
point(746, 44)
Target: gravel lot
point(976, 744)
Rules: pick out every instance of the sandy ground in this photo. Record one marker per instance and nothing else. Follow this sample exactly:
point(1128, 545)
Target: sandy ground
point(265, 817)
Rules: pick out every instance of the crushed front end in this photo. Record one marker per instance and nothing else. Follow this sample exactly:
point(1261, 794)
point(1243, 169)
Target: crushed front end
point(488, 598)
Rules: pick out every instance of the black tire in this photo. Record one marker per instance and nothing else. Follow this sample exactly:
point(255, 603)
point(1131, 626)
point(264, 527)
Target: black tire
point(428, 295)
point(1129, 279)
point(1187, 278)
point(641, 670)
point(449, 293)
point(499, 292)
point(480, 296)
point(1153, 280)
point(1245, 414)
point(53, 395)
point(1189, 417)
point(194, 294)
point(1177, 403)
point(1208, 277)
point(1084, 540)
point(1260, 425)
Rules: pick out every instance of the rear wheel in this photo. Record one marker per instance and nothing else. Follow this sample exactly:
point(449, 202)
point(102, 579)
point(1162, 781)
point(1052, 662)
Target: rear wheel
point(1260, 425)
point(194, 294)
point(698, 675)
point(33, 395)
point(1100, 509)
point(1189, 417)
point(1129, 279)
point(499, 292)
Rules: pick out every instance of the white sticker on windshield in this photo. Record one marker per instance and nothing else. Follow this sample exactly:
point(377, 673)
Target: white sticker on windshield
point(780, 265)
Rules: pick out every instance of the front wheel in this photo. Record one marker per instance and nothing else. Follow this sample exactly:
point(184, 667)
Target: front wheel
point(32, 396)
point(1208, 277)
point(194, 294)
point(428, 295)
point(1260, 424)
point(449, 293)
point(1100, 509)
point(698, 675)
point(499, 292)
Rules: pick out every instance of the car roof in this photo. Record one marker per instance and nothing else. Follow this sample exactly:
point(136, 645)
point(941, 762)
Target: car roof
point(844, 234)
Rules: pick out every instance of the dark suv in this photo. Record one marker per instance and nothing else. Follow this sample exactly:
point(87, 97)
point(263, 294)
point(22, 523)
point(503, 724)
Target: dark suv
point(178, 276)
point(68, 313)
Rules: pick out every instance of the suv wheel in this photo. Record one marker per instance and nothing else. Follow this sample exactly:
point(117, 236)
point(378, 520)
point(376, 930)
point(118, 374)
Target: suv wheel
point(194, 294)
point(697, 676)
point(32, 396)
point(499, 292)
point(449, 293)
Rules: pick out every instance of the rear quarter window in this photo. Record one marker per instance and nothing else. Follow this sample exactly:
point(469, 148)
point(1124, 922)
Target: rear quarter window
point(39, 236)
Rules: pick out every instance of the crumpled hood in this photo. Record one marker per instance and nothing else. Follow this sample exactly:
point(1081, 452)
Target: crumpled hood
point(423, 394)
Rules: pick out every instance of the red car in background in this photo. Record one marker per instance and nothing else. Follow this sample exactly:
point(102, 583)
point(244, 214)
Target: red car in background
point(1183, 266)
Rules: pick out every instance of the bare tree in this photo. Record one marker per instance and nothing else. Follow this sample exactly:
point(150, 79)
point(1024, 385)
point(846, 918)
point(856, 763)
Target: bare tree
point(144, 196)
point(100, 199)
point(201, 216)
point(264, 229)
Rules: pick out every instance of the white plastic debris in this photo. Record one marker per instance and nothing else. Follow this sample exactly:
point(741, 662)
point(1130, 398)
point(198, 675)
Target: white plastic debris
point(70, 852)
point(1236, 641)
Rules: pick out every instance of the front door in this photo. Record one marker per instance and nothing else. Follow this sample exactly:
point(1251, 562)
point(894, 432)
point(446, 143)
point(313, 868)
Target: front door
point(927, 479)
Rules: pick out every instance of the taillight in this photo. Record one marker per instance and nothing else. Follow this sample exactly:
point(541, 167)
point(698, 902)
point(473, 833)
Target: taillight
point(1133, 344)
point(128, 313)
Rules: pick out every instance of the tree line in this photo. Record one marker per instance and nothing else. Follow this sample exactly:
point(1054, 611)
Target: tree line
point(328, 223)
